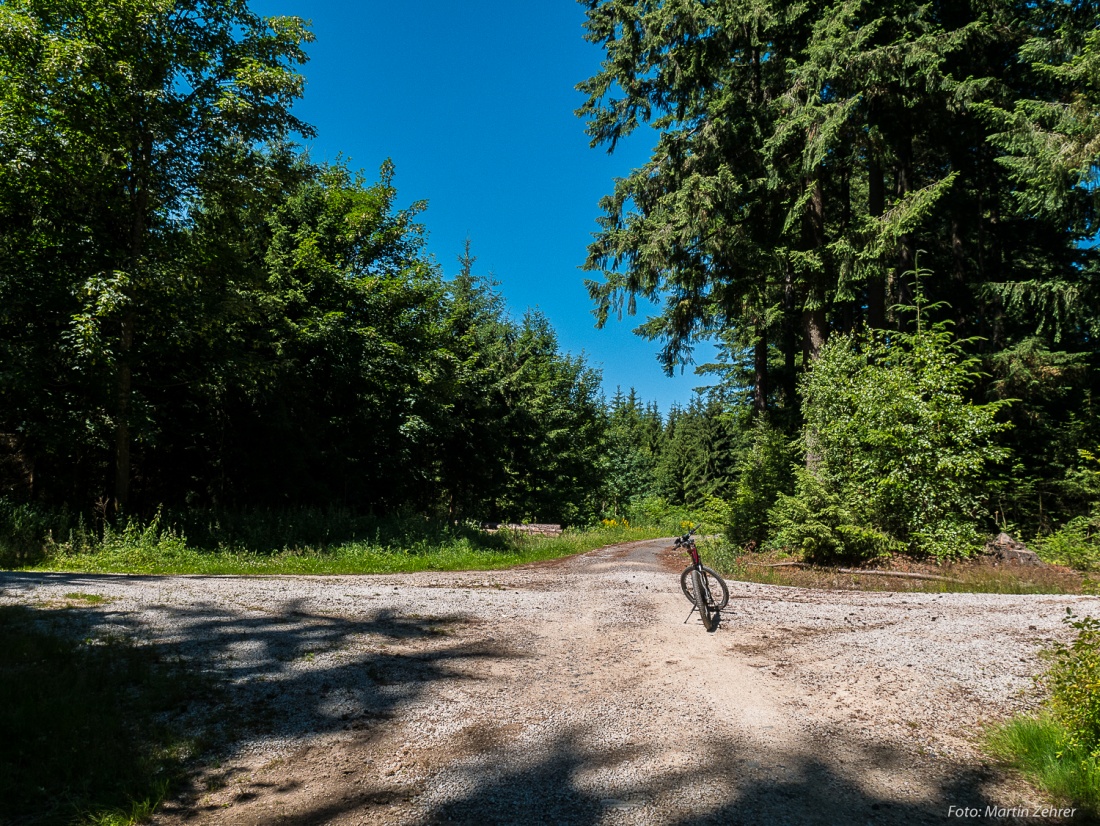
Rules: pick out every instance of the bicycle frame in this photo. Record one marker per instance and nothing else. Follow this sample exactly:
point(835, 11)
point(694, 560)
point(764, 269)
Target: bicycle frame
point(697, 564)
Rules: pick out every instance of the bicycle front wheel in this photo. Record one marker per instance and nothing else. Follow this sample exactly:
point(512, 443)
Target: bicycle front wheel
point(702, 603)
point(716, 586)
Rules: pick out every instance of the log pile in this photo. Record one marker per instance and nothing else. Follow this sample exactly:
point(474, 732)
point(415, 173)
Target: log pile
point(540, 529)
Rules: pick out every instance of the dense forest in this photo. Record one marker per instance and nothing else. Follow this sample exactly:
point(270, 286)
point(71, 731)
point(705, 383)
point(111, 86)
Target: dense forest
point(194, 313)
point(887, 214)
point(884, 213)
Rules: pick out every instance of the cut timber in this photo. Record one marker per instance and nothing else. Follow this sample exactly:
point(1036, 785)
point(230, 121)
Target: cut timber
point(899, 574)
point(542, 529)
point(779, 564)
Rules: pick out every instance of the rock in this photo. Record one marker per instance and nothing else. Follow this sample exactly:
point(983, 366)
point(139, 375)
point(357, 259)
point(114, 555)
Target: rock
point(1007, 549)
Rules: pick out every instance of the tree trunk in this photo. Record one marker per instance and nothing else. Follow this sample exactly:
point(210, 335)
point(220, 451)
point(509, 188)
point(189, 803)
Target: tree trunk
point(760, 371)
point(814, 335)
point(906, 253)
point(876, 284)
point(139, 204)
point(790, 337)
point(814, 329)
point(122, 434)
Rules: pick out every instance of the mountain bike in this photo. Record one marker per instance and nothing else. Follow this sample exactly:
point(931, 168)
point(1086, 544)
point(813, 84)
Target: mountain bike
point(703, 587)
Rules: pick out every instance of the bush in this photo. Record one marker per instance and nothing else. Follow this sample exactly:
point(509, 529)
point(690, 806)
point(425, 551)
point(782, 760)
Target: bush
point(28, 531)
point(895, 453)
point(1076, 544)
point(816, 520)
point(1060, 749)
point(1074, 680)
point(657, 512)
point(763, 473)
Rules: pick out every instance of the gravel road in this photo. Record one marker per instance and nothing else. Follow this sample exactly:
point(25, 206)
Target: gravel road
point(574, 692)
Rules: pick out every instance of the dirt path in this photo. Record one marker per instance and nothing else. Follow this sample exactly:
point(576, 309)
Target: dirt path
point(575, 693)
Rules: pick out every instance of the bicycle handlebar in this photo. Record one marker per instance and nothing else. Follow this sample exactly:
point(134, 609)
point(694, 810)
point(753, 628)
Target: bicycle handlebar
point(681, 540)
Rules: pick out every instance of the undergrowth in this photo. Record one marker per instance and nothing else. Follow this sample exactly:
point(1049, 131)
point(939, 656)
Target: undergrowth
point(310, 544)
point(1076, 544)
point(777, 568)
point(1060, 749)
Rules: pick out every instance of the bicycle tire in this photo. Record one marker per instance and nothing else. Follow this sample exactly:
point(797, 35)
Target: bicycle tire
point(720, 599)
point(701, 600)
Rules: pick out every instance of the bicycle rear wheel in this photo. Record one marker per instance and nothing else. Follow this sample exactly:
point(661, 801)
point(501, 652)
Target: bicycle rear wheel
point(702, 603)
point(719, 591)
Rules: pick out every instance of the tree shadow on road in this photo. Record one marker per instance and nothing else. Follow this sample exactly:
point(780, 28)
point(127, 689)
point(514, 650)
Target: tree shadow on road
point(727, 785)
point(282, 665)
point(279, 673)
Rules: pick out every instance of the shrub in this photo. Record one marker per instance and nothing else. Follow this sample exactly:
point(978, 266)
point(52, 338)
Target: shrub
point(1074, 680)
point(1076, 544)
point(657, 512)
point(817, 521)
point(763, 473)
point(27, 531)
point(1060, 749)
point(895, 452)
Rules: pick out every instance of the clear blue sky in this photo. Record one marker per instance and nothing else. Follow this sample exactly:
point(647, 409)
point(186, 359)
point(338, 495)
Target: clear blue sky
point(473, 101)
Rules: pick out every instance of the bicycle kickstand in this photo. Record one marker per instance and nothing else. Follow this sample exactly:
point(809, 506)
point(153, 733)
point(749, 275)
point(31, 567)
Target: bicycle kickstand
point(690, 613)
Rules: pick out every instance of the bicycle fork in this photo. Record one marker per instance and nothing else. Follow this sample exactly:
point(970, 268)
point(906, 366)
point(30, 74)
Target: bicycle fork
point(706, 593)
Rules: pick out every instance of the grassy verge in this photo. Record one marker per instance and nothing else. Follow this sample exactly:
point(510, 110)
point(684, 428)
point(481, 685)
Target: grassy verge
point(961, 577)
point(151, 549)
point(86, 725)
point(1035, 746)
point(1060, 749)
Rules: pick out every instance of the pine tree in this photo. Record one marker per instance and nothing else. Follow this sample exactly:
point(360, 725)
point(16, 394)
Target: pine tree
point(806, 152)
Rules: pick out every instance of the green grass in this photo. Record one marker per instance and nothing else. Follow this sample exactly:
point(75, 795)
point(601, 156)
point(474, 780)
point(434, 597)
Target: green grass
point(1035, 746)
point(86, 725)
point(153, 550)
point(90, 599)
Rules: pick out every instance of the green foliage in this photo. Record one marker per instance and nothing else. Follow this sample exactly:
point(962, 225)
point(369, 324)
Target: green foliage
point(26, 531)
point(1076, 543)
point(895, 452)
point(633, 445)
point(804, 153)
point(697, 453)
point(818, 521)
point(312, 541)
point(319, 357)
point(1035, 745)
point(658, 512)
point(1074, 681)
point(116, 117)
point(1060, 749)
point(763, 473)
point(553, 429)
point(1052, 419)
point(1084, 480)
